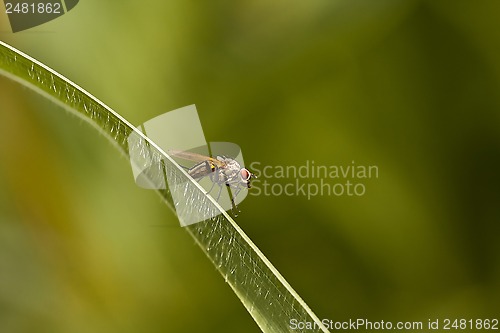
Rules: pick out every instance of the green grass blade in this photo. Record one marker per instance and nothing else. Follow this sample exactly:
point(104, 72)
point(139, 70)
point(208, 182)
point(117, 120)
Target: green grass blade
point(264, 292)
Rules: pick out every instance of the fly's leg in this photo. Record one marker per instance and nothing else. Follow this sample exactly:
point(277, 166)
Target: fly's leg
point(184, 167)
point(234, 208)
point(238, 190)
point(218, 195)
point(211, 188)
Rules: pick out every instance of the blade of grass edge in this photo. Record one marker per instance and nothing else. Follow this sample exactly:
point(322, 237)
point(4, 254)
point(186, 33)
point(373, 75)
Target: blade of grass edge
point(264, 292)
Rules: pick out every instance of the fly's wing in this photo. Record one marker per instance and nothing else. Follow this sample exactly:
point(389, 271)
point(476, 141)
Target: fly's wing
point(185, 155)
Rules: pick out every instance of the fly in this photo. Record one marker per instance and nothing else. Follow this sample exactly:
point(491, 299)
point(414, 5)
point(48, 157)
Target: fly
point(221, 170)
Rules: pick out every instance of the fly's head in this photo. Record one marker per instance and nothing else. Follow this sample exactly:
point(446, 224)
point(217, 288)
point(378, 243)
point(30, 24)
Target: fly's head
point(246, 176)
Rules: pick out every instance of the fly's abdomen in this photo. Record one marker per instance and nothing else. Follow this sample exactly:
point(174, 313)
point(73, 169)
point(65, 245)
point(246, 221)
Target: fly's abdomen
point(201, 169)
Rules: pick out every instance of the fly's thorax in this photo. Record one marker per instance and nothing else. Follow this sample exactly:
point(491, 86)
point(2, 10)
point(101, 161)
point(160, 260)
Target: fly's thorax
point(232, 169)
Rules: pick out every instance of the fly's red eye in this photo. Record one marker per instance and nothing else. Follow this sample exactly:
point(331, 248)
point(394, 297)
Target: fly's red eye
point(245, 174)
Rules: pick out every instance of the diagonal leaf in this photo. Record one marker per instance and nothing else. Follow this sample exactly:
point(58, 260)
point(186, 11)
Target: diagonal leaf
point(264, 292)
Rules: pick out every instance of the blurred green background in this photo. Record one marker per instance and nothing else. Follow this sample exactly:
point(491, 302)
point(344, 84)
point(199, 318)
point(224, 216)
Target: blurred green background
point(409, 86)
